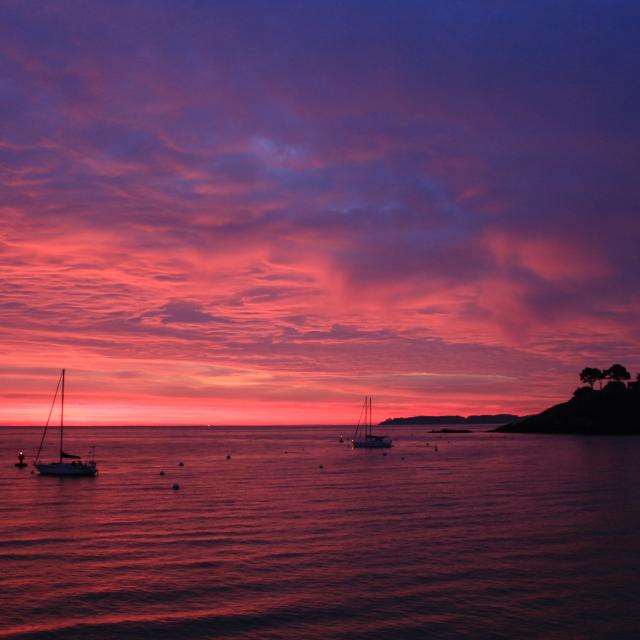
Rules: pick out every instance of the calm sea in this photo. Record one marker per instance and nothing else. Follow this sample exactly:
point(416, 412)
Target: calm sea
point(297, 536)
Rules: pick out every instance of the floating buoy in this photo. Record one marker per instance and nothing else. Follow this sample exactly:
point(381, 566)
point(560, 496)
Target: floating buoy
point(435, 448)
point(321, 466)
point(162, 473)
point(228, 457)
point(402, 458)
point(181, 464)
point(384, 454)
point(176, 486)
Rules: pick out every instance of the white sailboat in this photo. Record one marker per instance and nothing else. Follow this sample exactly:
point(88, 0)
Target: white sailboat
point(363, 438)
point(77, 467)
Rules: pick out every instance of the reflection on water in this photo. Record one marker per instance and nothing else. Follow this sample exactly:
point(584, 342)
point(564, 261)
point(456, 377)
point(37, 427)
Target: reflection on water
point(490, 536)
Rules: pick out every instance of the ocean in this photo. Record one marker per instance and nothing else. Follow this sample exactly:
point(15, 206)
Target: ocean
point(478, 535)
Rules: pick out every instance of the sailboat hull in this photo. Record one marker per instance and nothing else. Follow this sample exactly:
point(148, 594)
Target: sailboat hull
point(66, 469)
point(376, 442)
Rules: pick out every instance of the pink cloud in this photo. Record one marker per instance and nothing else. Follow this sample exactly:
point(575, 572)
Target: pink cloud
point(552, 259)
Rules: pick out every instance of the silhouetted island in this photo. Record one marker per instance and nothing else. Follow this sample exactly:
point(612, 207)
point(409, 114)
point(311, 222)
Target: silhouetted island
point(500, 418)
point(450, 430)
point(613, 410)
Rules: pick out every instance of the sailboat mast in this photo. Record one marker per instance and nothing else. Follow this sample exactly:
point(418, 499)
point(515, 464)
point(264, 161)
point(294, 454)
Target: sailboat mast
point(62, 416)
point(367, 421)
point(366, 416)
point(46, 426)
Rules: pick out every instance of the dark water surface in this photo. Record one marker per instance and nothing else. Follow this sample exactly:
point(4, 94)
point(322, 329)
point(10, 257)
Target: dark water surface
point(491, 536)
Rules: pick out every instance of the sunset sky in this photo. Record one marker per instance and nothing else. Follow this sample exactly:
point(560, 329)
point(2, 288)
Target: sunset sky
point(259, 212)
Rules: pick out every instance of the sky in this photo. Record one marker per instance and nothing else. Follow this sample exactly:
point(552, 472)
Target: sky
point(260, 212)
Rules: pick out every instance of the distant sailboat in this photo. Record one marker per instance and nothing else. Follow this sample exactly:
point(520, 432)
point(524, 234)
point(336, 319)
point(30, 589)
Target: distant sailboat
point(363, 438)
point(62, 468)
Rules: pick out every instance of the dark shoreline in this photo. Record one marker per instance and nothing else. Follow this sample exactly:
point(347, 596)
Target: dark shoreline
point(615, 410)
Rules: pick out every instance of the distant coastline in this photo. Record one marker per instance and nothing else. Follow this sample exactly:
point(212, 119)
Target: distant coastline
point(500, 418)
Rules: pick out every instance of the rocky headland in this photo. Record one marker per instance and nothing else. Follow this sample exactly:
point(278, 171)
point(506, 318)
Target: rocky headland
point(614, 410)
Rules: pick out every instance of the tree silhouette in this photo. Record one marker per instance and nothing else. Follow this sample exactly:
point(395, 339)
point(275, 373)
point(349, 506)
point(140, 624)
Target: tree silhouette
point(589, 375)
point(583, 392)
point(617, 373)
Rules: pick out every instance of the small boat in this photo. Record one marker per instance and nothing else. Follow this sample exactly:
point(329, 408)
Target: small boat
point(363, 438)
point(77, 467)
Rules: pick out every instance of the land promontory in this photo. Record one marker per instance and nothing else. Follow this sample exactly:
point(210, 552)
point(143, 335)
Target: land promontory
point(614, 410)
